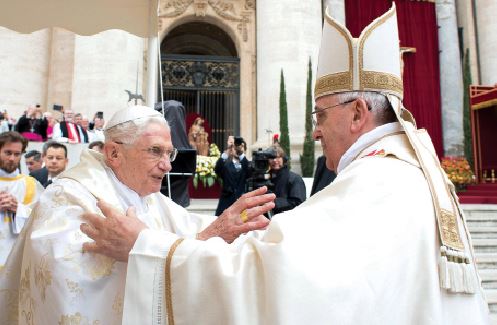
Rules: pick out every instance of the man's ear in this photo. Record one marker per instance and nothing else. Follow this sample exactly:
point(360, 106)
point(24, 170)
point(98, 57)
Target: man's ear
point(361, 115)
point(112, 153)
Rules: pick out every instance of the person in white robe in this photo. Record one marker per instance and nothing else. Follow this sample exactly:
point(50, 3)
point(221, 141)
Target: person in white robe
point(385, 243)
point(48, 279)
point(18, 192)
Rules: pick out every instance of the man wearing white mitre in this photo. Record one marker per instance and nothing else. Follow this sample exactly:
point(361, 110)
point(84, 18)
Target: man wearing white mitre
point(49, 280)
point(385, 243)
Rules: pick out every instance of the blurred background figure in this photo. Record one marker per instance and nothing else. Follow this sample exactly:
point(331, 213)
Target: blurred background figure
point(288, 186)
point(82, 124)
point(97, 146)
point(198, 137)
point(55, 159)
point(33, 160)
point(183, 167)
point(32, 125)
point(4, 124)
point(51, 121)
point(233, 168)
point(96, 132)
point(66, 130)
point(322, 176)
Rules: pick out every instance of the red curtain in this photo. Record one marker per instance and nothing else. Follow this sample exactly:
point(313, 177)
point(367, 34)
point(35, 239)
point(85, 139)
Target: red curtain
point(417, 29)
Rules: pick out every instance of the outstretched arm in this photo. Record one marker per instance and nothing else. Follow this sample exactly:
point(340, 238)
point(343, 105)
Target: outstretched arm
point(115, 235)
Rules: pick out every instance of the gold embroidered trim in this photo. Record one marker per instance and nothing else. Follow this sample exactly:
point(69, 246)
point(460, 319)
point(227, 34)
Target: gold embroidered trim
point(449, 232)
point(168, 282)
point(340, 81)
point(364, 76)
point(381, 80)
point(331, 83)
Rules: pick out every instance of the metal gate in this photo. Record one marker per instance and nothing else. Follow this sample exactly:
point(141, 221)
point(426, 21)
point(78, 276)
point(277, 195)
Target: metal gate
point(208, 86)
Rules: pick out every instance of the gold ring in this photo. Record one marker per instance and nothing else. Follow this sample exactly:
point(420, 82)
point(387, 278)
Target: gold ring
point(244, 216)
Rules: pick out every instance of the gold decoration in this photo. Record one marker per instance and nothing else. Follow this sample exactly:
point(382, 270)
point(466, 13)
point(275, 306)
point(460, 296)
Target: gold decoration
point(10, 300)
point(168, 282)
point(43, 276)
point(449, 232)
point(76, 319)
point(74, 288)
point(100, 266)
point(380, 80)
point(368, 79)
point(26, 302)
point(118, 304)
point(333, 83)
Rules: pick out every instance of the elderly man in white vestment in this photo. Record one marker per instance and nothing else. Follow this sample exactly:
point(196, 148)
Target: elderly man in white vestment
point(56, 283)
point(385, 243)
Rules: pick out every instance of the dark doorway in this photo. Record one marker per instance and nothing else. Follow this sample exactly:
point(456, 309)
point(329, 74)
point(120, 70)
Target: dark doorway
point(200, 68)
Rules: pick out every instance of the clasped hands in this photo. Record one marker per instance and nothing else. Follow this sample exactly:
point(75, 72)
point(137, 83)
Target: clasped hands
point(8, 202)
point(116, 234)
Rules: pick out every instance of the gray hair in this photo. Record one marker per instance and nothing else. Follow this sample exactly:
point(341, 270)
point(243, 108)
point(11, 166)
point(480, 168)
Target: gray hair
point(377, 103)
point(129, 132)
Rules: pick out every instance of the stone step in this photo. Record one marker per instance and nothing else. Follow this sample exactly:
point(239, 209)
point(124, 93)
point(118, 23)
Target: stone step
point(486, 245)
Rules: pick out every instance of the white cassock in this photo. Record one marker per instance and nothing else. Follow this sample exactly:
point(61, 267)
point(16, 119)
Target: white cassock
point(364, 250)
point(48, 280)
point(27, 191)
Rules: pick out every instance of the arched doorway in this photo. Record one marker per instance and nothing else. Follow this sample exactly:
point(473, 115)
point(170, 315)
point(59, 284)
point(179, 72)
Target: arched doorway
point(201, 69)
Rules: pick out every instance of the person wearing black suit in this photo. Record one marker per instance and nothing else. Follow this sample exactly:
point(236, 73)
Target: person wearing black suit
point(322, 177)
point(41, 175)
point(233, 168)
point(55, 158)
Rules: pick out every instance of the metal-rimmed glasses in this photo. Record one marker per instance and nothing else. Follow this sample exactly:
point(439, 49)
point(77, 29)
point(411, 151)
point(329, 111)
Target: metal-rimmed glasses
point(319, 110)
point(157, 152)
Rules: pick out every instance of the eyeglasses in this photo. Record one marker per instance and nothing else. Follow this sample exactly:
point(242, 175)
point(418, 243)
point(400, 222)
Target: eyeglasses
point(157, 153)
point(319, 110)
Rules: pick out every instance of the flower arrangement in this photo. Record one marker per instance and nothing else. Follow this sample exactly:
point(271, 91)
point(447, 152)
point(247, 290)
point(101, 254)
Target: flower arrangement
point(205, 167)
point(458, 170)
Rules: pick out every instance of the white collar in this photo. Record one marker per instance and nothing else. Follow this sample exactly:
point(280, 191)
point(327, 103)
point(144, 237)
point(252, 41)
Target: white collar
point(127, 196)
point(365, 141)
point(4, 174)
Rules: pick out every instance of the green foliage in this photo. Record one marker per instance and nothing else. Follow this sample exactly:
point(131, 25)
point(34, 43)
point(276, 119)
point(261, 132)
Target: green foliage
point(466, 118)
point(284, 136)
point(307, 157)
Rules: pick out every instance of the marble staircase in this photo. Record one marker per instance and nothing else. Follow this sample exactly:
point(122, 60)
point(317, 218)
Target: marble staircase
point(482, 224)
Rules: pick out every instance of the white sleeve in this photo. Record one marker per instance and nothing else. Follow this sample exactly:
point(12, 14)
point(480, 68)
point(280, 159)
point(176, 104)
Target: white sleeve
point(57, 134)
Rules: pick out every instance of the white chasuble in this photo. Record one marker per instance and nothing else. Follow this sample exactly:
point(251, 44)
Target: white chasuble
point(364, 250)
point(48, 280)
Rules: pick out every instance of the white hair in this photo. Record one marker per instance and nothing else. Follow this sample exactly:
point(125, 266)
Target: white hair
point(377, 103)
point(129, 132)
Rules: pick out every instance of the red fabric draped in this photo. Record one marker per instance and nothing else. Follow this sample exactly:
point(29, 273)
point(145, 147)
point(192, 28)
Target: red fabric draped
point(417, 29)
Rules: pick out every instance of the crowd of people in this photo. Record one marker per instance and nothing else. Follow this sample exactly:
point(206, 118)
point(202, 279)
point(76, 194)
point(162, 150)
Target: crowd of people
point(36, 125)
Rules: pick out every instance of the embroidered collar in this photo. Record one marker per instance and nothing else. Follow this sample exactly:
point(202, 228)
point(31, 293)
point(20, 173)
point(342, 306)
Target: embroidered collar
point(365, 141)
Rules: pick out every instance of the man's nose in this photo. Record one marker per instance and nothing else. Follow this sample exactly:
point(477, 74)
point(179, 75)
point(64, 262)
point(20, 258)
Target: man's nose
point(316, 135)
point(165, 164)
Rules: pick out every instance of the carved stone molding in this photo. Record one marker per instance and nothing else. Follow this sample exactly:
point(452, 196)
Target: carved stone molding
point(223, 8)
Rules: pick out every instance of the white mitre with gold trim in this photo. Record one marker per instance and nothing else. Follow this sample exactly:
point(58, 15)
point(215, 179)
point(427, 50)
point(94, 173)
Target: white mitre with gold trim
point(368, 63)
point(372, 63)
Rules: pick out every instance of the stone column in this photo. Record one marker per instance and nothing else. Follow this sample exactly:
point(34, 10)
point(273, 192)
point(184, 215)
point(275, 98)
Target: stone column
point(451, 84)
point(285, 40)
point(487, 40)
point(336, 9)
point(152, 71)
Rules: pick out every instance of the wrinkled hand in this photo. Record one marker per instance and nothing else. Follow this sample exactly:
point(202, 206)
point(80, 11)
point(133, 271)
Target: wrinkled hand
point(115, 235)
point(229, 225)
point(8, 202)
